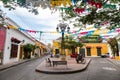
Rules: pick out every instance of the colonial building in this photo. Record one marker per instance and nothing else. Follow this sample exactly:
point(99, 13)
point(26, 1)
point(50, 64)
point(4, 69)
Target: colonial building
point(89, 49)
point(11, 43)
point(41, 48)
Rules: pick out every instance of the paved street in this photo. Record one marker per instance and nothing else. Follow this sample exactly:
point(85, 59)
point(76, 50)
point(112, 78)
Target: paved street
point(98, 69)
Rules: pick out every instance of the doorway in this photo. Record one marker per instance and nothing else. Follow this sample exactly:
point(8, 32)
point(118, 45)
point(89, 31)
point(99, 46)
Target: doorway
point(56, 51)
point(98, 51)
point(82, 51)
point(88, 51)
point(21, 52)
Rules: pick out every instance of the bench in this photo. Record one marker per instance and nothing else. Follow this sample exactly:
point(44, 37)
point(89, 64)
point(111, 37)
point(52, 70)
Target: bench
point(59, 63)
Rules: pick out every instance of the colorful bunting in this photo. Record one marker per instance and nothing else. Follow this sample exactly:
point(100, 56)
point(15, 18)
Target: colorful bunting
point(100, 5)
point(79, 10)
point(74, 2)
point(73, 33)
point(55, 3)
point(66, 9)
point(83, 33)
point(85, 1)
point(109, 6)
point(96, 4)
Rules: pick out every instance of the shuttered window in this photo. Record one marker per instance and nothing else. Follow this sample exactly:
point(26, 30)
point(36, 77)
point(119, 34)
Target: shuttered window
point(14, 50)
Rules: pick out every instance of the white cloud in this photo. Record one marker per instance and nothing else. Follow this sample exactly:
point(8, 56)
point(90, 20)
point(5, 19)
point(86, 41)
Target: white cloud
point(45, 21)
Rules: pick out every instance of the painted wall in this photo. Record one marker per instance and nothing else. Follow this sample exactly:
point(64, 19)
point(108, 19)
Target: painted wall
point(13, 33)
point(92, 46)
point(2, 37)
point(41, 46)
point(7, 49)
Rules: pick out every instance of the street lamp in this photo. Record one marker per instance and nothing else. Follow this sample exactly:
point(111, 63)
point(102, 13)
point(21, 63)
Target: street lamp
point(61, 27)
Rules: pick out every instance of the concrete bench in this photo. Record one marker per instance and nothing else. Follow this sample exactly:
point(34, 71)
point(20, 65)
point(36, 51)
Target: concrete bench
point(59, 63)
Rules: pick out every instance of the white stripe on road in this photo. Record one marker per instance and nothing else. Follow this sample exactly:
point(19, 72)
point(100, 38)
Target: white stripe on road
point(109, 68)
point(103, 62)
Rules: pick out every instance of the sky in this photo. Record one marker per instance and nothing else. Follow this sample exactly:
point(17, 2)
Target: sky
point(44, 21)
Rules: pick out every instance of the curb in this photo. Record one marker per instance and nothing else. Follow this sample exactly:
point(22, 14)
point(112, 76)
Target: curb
point(64, 72)
point(118, 67)
point(17, 63)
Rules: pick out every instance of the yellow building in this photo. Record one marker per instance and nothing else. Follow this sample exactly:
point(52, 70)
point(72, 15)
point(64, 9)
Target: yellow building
point(95, 49)
point(89, 49)
point(41, 48)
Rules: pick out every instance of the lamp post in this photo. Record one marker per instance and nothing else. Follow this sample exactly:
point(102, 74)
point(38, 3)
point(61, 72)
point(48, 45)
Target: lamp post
point(61, 27)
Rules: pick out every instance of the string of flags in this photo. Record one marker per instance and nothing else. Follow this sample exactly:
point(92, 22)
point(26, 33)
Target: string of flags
point(66, 3)
point(74, 33)
point(92, 3)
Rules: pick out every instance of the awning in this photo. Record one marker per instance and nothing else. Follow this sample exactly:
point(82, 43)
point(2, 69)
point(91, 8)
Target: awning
point(88, 46)
point(98, 47)
point(15, 40)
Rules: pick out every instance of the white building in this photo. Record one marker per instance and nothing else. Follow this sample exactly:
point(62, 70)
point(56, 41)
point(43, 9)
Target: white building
point(14, 41)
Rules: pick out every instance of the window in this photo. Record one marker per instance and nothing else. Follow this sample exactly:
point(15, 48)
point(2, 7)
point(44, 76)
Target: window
point(14, 50)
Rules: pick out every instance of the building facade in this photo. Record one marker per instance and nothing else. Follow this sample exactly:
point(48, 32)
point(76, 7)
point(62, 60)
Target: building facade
point(41, 48)
point(13, 41)
point(89, 49)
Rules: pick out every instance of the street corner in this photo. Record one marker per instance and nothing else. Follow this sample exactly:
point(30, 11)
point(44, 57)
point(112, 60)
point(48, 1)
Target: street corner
point(115, 62)
point(71, 67)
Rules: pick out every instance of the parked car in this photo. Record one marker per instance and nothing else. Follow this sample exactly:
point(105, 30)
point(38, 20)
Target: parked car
point(105, 55)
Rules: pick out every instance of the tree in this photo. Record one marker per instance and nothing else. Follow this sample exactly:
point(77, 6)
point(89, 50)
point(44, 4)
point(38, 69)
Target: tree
point(28, 48)
point(114, 46)
point(71, 43)
point(99, 11)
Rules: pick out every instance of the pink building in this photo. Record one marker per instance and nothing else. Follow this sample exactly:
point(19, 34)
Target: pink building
point(2, 41)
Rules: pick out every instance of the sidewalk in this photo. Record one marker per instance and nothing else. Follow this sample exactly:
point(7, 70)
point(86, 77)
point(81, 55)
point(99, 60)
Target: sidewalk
point(71, 67)
point(5, 66)
point(115, 62)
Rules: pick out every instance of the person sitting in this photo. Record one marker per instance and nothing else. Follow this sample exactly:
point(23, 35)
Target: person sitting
point(48, 61)
point(79, 58)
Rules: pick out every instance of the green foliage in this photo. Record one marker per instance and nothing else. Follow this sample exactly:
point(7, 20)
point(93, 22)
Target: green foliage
point(114, 46)
point(95, 16)
point(71, 43)
point(29, 48)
